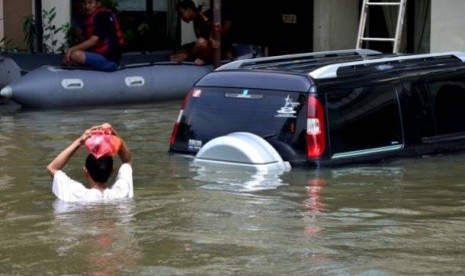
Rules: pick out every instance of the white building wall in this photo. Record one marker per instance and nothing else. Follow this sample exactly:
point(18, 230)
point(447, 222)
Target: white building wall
point(63, 16)
point(447, 25)
point(335, 24)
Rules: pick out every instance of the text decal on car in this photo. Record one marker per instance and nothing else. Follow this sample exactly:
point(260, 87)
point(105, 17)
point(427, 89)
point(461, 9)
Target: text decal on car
point(245, 94)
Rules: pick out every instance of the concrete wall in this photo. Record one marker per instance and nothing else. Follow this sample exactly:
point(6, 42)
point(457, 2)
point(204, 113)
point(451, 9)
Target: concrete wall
point(447, 25)
point(335, 24)
point(13, 19)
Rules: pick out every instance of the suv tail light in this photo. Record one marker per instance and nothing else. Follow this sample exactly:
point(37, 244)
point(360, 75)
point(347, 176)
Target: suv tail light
point(316, 133)
point(174, 133)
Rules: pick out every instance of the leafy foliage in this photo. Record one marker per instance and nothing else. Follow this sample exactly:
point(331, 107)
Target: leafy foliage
point(110, 4)
point(29, 29)
point(6, 45)
point(49, 32)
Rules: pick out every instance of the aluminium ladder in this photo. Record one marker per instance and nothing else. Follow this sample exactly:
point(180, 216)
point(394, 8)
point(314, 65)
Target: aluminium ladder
point(399, 24)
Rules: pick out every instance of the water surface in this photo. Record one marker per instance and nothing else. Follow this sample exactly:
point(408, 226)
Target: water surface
point(398, 218)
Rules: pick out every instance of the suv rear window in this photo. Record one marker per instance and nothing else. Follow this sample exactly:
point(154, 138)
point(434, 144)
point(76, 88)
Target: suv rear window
point(256, 111)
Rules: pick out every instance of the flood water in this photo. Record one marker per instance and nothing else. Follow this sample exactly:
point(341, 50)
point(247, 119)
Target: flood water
point(398, 218)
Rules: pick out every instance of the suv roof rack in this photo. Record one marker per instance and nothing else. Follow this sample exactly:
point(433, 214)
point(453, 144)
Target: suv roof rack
point(364, 66)
point(296, 60)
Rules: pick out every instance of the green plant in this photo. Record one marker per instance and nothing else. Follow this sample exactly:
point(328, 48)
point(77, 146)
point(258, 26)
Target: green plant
point(6, 45)
point(110, 4)
point(69, 37)
point(49, 30)
point(29, 29)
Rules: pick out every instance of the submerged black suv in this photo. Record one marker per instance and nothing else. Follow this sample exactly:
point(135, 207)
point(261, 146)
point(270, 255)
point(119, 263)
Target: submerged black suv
point(332, 108)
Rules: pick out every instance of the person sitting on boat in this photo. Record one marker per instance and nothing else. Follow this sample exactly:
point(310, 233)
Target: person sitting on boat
point(202, 50)
point(102, 142)
point(103, 39)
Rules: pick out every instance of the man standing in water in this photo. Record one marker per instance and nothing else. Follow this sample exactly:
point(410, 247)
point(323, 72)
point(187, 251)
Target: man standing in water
point(97, 170)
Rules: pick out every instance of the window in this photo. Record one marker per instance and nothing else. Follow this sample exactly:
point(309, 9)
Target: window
point(216, 112)
point(448, 97)
point(364, 118)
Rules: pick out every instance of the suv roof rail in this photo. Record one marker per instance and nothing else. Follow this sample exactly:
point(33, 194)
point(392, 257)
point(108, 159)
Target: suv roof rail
point(283, 60)
point(331, 71)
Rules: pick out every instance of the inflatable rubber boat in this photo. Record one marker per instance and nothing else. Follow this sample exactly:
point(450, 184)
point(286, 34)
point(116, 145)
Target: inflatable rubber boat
point(9, 71)
point(54, 87)
point(50, 86)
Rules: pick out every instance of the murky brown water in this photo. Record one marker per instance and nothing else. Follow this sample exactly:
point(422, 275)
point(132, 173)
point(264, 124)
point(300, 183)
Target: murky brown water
point(405, 217)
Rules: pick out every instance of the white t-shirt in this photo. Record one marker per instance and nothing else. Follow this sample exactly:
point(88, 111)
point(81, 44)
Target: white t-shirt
point(70, 190)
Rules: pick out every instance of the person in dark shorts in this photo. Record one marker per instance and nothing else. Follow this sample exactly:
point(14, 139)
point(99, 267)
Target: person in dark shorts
point(102, 41)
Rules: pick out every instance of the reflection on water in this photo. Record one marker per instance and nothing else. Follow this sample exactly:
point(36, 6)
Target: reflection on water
point(100, 238)
point(404, 217)
point(314, 205)
point(229, 178)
